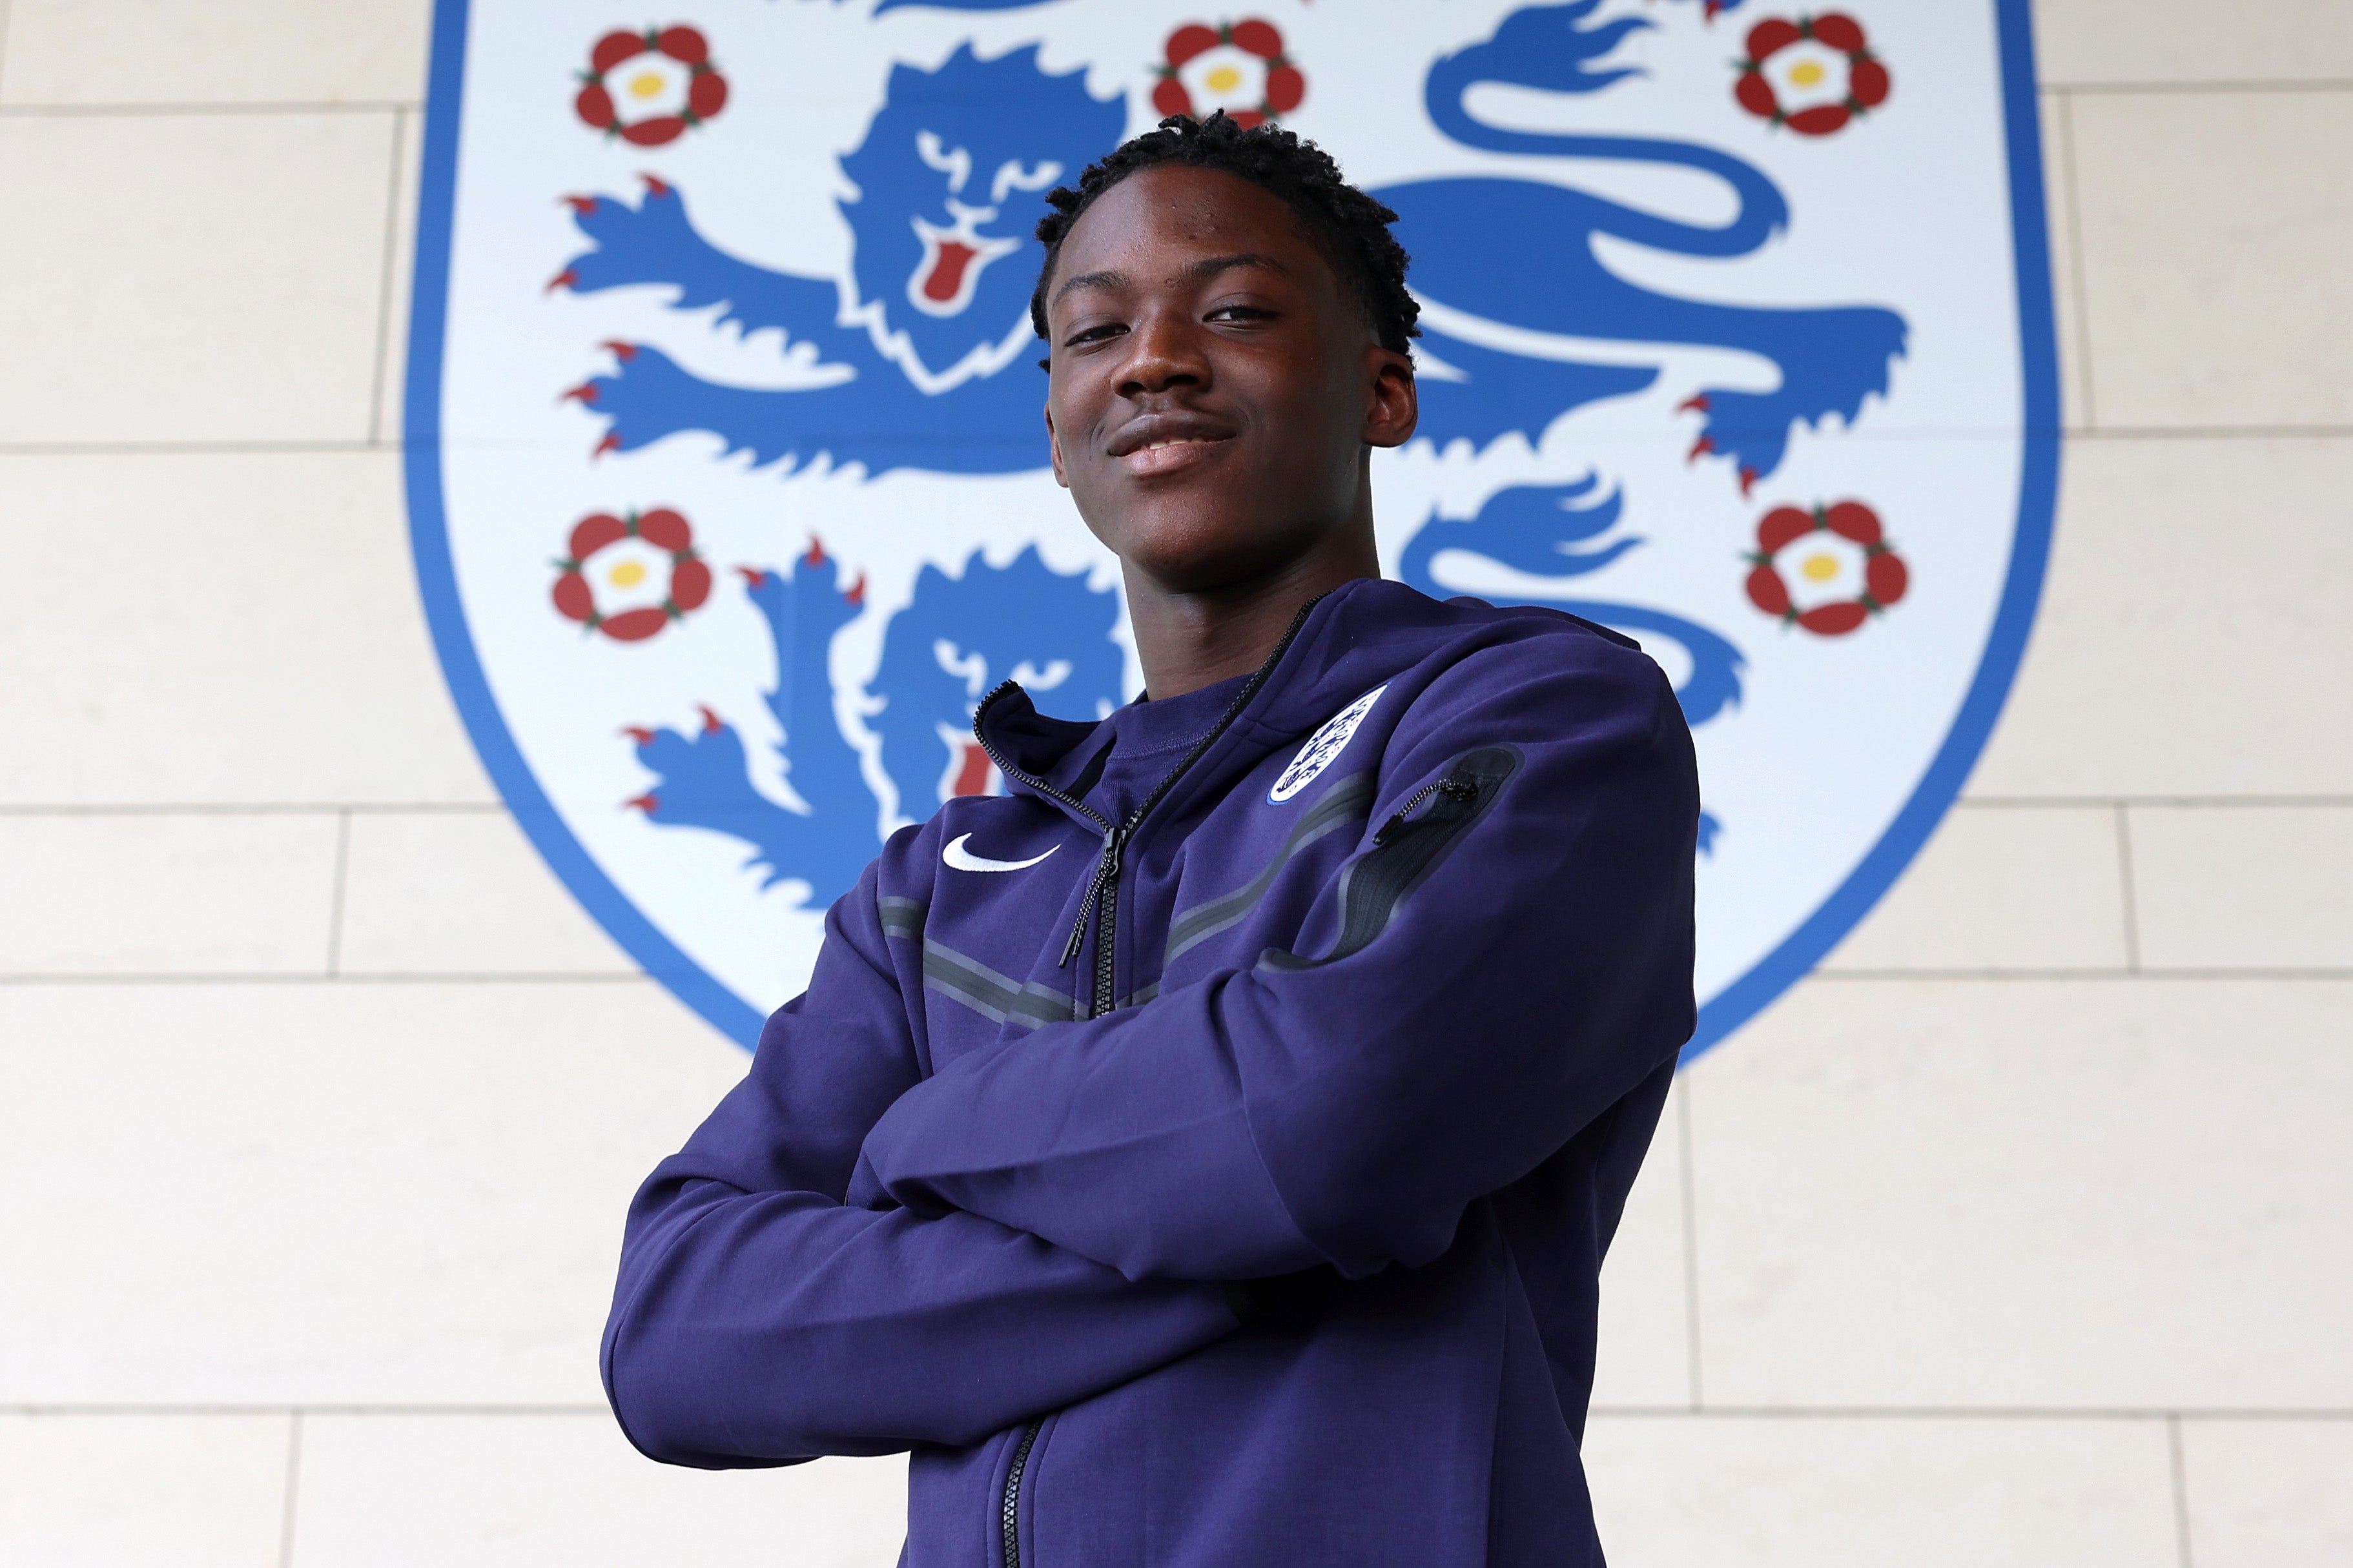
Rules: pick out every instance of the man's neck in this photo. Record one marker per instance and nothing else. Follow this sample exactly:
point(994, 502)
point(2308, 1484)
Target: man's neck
point(1189, 640)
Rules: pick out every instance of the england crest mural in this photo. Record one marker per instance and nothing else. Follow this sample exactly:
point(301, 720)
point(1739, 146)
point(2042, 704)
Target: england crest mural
point(727, 467)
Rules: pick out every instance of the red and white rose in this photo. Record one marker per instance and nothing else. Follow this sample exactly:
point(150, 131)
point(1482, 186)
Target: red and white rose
point(1812, 75)
point(630, 576)
point(1238, 66)
point(1828, 570)
point(647, 88)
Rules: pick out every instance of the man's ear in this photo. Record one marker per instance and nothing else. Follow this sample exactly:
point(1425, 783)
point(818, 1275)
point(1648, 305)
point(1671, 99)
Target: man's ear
point(1054, 447)
point(1392, 403)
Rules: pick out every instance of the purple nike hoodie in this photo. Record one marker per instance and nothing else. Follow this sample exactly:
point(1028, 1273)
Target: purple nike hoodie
point(1203, 1153)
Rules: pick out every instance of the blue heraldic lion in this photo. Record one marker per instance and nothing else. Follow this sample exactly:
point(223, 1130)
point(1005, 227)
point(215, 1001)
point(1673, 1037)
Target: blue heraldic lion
point(951, 181)
point(960, 636)
point(927, 343)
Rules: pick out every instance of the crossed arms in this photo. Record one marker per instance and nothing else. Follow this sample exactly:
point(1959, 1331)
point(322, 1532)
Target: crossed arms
point(852, 1257)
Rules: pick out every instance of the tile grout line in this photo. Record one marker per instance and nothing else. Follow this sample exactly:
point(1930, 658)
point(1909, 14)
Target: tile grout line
point(255, 808)
point(2075, 285)
point(427, 1409)
point(194, 111)
point(1687, 1182)
point(175, 449)
point(2201, 976)
point(2180, 1489)
point(2175, 801)
point(335, 899)
point(2127, 889)
point(2135, 88)
point(294, 1481)
point(4, 49)
point(2210, 432)
point(2333, 1415)
point(346, 980)
point(384, 288)
point(492, 807)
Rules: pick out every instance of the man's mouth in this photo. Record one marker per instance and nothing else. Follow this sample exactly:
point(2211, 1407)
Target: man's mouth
point(1166, 457)
point(1160, 443)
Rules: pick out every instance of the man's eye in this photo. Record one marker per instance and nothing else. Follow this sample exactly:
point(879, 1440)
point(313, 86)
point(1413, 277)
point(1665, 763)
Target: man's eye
point(1241, 313)
point(1094, 334)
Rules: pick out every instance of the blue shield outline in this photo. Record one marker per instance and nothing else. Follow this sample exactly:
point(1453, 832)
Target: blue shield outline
point(662, 959)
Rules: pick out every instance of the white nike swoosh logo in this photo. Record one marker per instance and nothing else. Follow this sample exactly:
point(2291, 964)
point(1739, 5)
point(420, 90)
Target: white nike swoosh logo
point(962, 859)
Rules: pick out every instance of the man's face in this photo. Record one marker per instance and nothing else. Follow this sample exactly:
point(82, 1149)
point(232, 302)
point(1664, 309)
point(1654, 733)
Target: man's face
point(1214, 391)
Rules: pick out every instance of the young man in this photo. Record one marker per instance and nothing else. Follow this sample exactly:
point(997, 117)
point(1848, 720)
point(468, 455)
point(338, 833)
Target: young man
point(1203, 1153)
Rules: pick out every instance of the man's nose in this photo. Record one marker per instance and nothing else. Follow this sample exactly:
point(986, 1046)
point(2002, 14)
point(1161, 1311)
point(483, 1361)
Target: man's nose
point(1164, 352)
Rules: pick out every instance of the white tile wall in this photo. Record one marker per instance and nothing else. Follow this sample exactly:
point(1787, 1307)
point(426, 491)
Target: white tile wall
point(259, 52)
point(306, 1194)
point(240, 628)
point(2182, 43)
point(399, 279)
point(178, 893)
point(460, 894)
point(2066, 259)
point(2268, 1494)
point(2190, 631)
point(2200, 908)
point(1644, 1360)
point(181, 278)
point(2018, 887)
point(490, 1490)
point(319, 1101)
point(2213, 229)
point(149, 1490)
point(1671, 1491)
point(2121, 1193)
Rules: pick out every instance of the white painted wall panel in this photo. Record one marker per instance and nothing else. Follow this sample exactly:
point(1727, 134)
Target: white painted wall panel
point(219, 628)
point(226, 52)
point(1679, 1492)
point(2099, 1194)
point(191, 278)
point(165, 893)
point(2192, 634)
point(304, 1193)
point(145, 1490)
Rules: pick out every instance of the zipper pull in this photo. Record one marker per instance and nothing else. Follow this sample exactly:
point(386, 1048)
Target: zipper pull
point(1106, 869)
point(1450, 788)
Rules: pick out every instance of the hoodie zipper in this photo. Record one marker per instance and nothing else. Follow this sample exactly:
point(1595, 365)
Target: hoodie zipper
point(1103, 895)
point(1102, 902)
point(1010, 1515)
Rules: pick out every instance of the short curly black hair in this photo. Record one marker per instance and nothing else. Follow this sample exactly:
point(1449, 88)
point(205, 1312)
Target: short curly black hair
point(1350, 228)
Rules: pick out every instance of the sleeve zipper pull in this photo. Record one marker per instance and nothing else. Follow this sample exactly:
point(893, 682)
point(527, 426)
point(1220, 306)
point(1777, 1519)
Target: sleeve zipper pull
point(1454, 789)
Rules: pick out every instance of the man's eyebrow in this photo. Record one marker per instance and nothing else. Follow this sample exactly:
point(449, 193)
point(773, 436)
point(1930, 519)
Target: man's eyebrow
point(1209, 267)
point(1092, 280)
point(1199, 271)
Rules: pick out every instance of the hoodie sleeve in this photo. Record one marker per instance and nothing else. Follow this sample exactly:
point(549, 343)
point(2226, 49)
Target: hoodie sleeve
point(759, 1320)
point(1481, 981)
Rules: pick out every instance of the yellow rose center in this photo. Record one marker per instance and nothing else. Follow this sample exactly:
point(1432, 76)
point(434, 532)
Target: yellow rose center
point(646, 84)
point(629, 573)
point(1225, 79)
point(1817, 568)
point(1806, 73)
